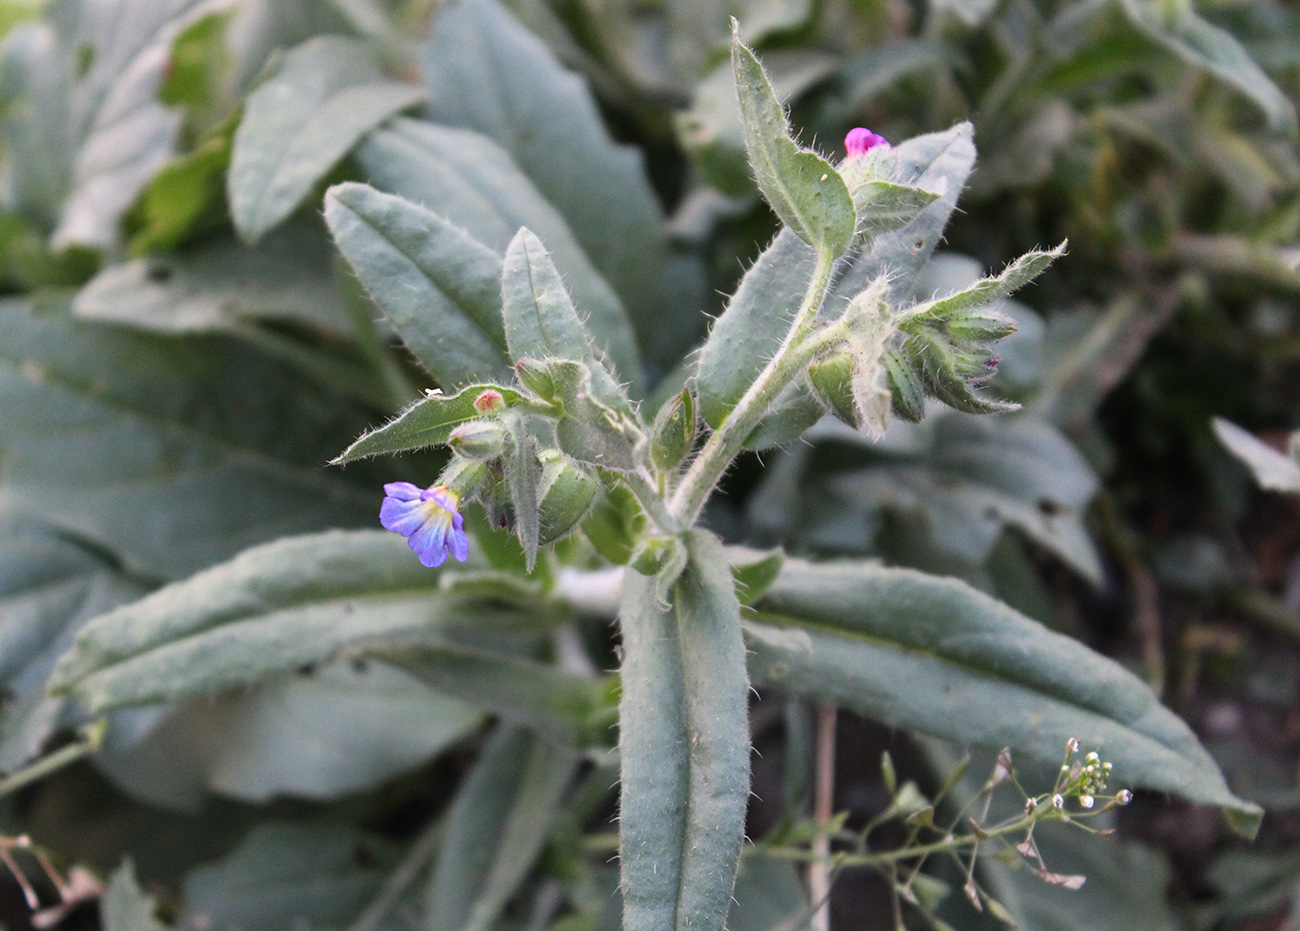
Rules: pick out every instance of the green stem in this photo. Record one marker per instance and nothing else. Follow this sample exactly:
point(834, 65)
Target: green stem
point(729, 439)
point(91, 737)
point(652, 502)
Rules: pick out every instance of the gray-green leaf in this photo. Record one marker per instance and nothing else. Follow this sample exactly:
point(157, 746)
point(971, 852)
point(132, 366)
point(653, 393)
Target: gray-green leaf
point(428, 422)
point(1200, 43)
point(496, 827)
point(936, 655)
point(438, 285)
point(804, 189)
point(471, 181)
point(684, 739)
point(327, 95)
point(755, 324)
point(274, 608)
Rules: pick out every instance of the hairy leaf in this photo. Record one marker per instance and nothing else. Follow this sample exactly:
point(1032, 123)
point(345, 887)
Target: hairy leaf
point(438, 285)
point(427, 422)
point(327, 94)
point(469, 180)
point(174, 453)
point(804, 189)
point(496, 827)
point(274, 608)
point(754, 325)
point(486, 72)
point(934, 655)
point(684, 741)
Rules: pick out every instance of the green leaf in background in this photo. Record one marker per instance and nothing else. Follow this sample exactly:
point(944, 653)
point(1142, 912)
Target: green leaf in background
point(471, 181)
point(563, 707)
point(319, 733)
point(185, 194)
point(966, 478)
point(35, 87)
point(1272, 469)
point(754, 325)
point(300, 122)
point(933, 655)
point(174, 453)
point(49, 587)
point(438, 285)
point(804, 189)
point(222, 285)
point(285, 875)
point(274, 608)
point(486, 72)
point(119, 131)
point(124, 906)
point(684, 743)
point(428, 422)
point(498, 822)
point(1178, 27)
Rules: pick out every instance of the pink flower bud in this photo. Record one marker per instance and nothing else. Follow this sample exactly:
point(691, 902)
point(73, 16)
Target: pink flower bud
point(861, 140)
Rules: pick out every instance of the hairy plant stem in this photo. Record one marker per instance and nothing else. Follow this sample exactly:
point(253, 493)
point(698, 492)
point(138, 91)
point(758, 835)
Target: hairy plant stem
point(798, 349)
point(652, 501)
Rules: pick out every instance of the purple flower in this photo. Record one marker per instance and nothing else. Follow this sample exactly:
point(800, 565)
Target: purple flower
point(861, 140)
point(428, 519)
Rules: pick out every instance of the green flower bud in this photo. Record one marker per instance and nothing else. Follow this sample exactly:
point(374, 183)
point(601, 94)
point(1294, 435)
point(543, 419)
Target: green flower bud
point(907, 393)
point(831, 380)
point(465, 477)
point(535, 377)
point(480, 440)
point(674, 431)
point(654, 553)
point(564, 495)
point(979, 325)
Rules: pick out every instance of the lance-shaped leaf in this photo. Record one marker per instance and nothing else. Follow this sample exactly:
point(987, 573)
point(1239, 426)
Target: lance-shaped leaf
point(327, 94)
point(755, 324)
point(987, 290)
point(289, 874)
point(429, 421)
point(498, 822)
point(937, 656)
point(274, 608)
point(471, 181)
point(49, 588)
point(438, 285)
point(883, 206)
point(540, 319)
point(684, 741)
point(523, 480)
point(804, 189)
point(485, 71)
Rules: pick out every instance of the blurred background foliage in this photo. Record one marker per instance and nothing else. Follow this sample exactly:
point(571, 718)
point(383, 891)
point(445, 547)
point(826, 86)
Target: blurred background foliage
point(1158, 136)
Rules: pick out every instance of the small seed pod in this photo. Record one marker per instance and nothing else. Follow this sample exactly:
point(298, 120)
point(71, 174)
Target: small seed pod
point(564, 495)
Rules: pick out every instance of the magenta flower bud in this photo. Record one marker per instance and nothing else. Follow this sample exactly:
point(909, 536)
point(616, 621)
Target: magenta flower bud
point(861, 140)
